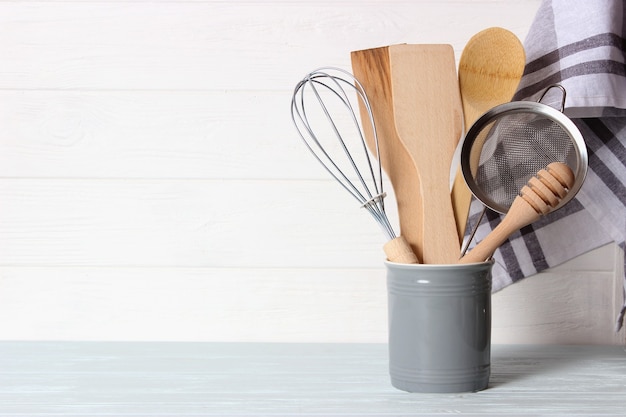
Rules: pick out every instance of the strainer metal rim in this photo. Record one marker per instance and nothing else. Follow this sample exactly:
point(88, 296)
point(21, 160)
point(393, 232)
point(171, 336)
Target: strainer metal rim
point(528, 107)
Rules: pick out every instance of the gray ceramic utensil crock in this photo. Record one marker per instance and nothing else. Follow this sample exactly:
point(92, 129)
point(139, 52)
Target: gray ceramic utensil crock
point(439, 326)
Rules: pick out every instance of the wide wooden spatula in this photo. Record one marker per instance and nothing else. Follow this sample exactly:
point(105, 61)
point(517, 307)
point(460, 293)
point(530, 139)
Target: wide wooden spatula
point(428, 118)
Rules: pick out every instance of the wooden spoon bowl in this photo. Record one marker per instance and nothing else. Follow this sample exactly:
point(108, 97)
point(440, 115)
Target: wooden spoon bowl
point(490, 68)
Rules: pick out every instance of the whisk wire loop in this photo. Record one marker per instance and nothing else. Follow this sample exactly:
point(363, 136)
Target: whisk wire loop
point(313, 90)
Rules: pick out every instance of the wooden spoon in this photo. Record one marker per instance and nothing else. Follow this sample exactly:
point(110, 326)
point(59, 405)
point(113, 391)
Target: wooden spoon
point(490, 68)
point(371, 67)
point(428, 119)
point(536, 199)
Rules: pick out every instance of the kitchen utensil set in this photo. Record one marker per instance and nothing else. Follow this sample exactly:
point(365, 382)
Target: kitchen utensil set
point(525, 159)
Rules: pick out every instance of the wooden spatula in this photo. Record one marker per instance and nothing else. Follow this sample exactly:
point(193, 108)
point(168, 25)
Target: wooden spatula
point(428, 118)
point(371, 68)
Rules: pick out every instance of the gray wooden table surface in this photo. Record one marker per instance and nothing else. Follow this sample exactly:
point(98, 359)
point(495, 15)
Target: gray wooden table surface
point(205, 379)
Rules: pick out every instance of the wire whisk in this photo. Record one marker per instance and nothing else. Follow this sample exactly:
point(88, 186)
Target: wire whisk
point(324, 113)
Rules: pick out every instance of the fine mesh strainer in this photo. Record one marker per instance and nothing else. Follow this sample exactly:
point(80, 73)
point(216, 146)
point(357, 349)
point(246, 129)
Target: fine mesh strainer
point(510, 143)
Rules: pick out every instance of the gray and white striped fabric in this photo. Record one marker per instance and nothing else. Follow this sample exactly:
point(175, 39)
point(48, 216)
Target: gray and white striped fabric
point(582, 46)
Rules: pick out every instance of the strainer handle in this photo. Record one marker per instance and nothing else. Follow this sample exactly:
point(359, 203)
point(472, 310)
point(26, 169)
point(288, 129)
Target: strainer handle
point(560, 87)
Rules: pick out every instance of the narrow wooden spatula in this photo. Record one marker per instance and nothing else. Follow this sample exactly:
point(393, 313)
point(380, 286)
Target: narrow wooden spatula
point(371, 68)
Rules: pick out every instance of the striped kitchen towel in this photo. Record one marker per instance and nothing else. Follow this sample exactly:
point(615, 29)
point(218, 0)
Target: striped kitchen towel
point(582, 46)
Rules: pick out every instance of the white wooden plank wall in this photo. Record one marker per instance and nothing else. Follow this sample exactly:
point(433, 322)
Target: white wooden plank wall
point(152, 187)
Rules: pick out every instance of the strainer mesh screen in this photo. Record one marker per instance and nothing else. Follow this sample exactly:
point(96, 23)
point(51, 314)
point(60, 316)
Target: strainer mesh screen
point(512, 148)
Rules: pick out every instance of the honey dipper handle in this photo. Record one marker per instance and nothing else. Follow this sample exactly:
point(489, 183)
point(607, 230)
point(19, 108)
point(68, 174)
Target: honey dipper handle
point(520, 214)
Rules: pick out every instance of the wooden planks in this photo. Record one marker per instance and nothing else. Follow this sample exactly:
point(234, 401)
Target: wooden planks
point(211, 303)
point(216, 45)
point(213, 223)
point(193, 304)
point(191, 379)
point(140, 140)
point(150, 134)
